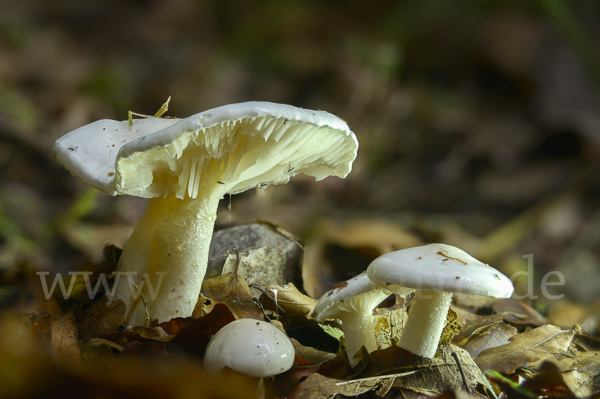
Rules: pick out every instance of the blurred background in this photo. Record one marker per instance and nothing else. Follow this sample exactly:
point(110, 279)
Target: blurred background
point(478, 124)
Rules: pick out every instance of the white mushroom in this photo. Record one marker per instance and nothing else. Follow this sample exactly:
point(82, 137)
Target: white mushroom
point(251, 347)
point(435, 271)
point(186, 166)
point(352, 302)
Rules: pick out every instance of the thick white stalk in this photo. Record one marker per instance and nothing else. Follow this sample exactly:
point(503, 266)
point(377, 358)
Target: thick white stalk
point(167, 253)
point(425, 322)
point(358, 331)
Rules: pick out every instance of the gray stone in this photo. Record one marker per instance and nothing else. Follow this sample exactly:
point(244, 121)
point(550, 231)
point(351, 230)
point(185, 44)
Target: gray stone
point(267, 257)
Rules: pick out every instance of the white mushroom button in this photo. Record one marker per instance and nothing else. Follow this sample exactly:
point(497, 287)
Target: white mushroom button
point(434, 271)
point(352, 302)
point(185, 166)
point(251, 347)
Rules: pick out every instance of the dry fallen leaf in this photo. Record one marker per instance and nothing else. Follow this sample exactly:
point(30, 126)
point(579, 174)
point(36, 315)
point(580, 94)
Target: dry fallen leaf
point(100, 318)
point(581, 373)
point(473, 303)
point(519, 313)
point(398, 371)
point(389, 326)
point(471, 322)
point(180, 335)
point(98, 351)
point(451, 329)
point(530, 346)
point(232, 290)
point(488, 337)
point(566, 313)
point(547, 382)
point(315, 386)
point(289, 299)
point(64, 339)
point(308, 355)
point(41, 330)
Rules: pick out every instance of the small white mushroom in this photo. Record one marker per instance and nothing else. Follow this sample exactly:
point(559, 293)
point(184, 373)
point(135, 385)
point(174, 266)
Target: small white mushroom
point(352, 302)
point(252, 347)
point(434, 271)
point(185, 166)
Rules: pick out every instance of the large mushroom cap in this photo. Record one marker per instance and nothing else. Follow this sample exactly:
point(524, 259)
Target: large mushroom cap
point(439, 267)
point(227, 149)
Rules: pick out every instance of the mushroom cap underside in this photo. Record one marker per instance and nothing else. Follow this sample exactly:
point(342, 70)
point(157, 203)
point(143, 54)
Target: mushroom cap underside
point(358, 294)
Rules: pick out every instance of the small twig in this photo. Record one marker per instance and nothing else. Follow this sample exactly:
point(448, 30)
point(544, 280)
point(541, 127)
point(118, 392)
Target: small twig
point(274, 299)
point(589, 337)
point(462, 372)
point(258, 287)
point(260, 306)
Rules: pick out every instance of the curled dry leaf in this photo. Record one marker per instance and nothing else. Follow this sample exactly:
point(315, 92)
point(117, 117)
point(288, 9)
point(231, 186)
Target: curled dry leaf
point(451, 329)
point(519, 313)
point(289, 299)
point(231, 290)
point(306, 355)
point(528, 347)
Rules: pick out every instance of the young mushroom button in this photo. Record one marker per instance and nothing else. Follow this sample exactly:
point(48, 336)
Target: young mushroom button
point(352, 302)
point(434, 271)
point(252, 347)
point(185, 166)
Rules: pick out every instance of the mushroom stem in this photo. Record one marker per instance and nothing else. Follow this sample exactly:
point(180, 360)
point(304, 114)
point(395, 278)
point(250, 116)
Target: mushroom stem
point(358, 331)
point(166, 258)
point(425, 322)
